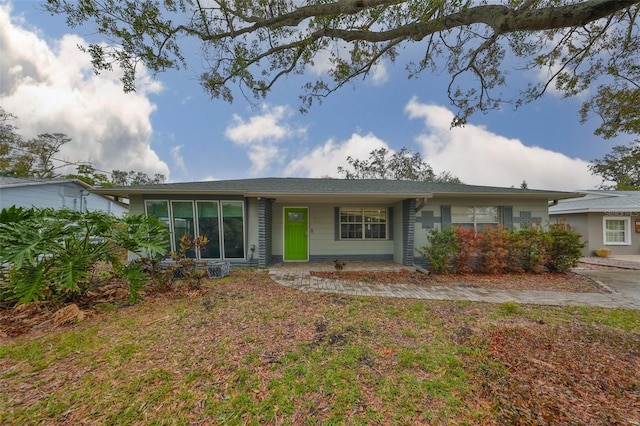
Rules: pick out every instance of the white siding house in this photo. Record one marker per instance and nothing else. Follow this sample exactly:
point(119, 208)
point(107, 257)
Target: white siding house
point(57, 194)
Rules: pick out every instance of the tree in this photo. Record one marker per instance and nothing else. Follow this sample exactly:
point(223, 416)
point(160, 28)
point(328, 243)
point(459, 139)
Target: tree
point(401, 165)
point(33, 158)
point(582, 44)
point(621, 166)
point(132, 177)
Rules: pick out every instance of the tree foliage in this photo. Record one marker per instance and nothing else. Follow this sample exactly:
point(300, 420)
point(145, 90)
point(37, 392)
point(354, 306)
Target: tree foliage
point(33, 158)
point(402, 165)
point(52, 254)
point(621, 166)
point(579, 44)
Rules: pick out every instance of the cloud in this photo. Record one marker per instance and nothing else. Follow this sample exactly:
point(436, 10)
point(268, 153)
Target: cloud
point(480, 157)
point(51, 87)
point(178, 159)
point(261, 134)
point(324, 160)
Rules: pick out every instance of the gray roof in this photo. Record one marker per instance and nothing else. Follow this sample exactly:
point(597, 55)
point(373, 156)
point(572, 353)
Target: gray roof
point(273, 187)
point(10, 182)
point(600, 201)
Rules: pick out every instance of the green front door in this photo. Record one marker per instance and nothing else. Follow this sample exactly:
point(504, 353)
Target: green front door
point(296, 244)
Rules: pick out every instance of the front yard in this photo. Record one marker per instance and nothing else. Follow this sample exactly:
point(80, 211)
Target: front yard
point(244, 350)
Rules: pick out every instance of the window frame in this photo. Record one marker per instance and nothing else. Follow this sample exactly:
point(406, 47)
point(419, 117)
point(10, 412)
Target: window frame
point(626, 231)
point(361, 225)
point(474, 211)
point(196, 229)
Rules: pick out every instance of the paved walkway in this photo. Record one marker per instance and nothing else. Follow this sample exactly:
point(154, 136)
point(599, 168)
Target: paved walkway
point(297, 276)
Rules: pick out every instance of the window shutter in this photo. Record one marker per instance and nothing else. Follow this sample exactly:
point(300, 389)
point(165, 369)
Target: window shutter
point(445, 216)
point(336, 223)
point(507, 216)
point(390, 223)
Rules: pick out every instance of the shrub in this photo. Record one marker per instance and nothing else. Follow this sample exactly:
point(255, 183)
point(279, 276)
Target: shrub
point(493, 246)
point(565, 248)
point(52, 254)
point(465, 259)
point(528, 250)
point(440, 249)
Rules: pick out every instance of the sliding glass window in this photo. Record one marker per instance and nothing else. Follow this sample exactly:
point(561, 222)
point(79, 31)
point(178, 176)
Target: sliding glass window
point(233, 229)
point(222, 222)
point(209, 226)
point(160, 210)
point(183, 224)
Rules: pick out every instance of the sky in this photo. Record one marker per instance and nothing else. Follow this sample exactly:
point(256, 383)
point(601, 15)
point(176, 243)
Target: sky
point(171, 126)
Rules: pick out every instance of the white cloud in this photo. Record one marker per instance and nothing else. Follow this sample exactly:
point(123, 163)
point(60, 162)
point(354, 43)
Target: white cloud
point(325, 160)
point(479, 157)
point(178, 159)
point(380, 74)
point(261, 134)
point(52, 88)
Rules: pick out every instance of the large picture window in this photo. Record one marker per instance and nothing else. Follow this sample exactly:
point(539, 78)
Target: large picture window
point(367, 223)
point(474, 217)
point(617, 231)
point(222, 222)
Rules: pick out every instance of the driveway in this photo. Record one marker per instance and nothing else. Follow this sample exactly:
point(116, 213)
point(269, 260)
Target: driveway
point(623, 281)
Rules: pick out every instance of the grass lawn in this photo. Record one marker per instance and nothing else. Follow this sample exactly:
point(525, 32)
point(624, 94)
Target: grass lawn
point(245, 350)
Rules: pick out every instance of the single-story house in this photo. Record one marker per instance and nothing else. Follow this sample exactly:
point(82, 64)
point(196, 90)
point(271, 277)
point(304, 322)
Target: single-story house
point(69, 194)
point(257, 222)
point(605, 219)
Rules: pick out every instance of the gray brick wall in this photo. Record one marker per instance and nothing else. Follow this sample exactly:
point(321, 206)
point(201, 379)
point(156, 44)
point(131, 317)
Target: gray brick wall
point(265, 240)
point(408, 230)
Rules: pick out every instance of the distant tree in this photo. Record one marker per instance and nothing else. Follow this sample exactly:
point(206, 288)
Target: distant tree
point(121, 178)
point(88, 174)
point(401, 165)
point(621, 166)
point(580, 46)
point(33, 158)
point(29, 158)
point(524, 185)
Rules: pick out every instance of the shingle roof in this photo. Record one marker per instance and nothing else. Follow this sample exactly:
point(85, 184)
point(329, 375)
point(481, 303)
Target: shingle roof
point(600, 201)
point(308, 186)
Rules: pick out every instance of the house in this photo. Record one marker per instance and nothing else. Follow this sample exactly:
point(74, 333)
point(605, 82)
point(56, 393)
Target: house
point(256, 222)
point(605, 219)
point(57, 194)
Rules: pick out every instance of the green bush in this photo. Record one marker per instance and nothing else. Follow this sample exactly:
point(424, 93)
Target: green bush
point(529, 249)
point(52, 254)
point(440, 249)
point(565, 249)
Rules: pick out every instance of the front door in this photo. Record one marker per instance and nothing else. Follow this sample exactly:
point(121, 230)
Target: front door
point(296, 244)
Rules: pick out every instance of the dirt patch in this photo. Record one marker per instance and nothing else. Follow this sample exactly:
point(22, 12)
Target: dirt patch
point(566, 282)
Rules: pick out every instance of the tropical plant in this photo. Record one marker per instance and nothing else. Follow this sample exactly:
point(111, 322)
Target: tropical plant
point(52, 254)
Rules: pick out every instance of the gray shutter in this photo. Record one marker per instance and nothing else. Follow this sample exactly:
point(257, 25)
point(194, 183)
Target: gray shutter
point(445, 216)
point(336, 223)
point(507, 216)
point(390, 223)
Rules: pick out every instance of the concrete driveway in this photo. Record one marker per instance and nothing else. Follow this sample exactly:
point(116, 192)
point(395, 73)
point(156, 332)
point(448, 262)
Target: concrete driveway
point(623, 281)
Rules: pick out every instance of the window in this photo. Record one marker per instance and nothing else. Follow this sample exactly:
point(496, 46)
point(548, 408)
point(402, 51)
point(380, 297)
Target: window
point(617, 231)
point(222, 222)
point(474, 217)
point(368, 223)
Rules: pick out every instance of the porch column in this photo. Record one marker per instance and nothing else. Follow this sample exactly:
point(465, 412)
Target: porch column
point(408, 230)
point(265, 221)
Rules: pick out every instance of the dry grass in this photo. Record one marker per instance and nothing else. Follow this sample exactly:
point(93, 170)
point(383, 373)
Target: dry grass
point(245, 350)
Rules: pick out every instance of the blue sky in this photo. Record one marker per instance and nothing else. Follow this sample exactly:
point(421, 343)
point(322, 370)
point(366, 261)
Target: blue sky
point(171, 126)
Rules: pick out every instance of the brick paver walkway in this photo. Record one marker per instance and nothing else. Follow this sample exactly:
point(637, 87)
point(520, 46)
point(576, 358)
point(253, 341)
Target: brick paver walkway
point(297, 276)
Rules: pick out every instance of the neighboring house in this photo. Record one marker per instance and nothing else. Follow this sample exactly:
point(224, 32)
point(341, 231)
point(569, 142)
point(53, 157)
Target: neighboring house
point(256, 222)
point(57, 194)
point(605, 219)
